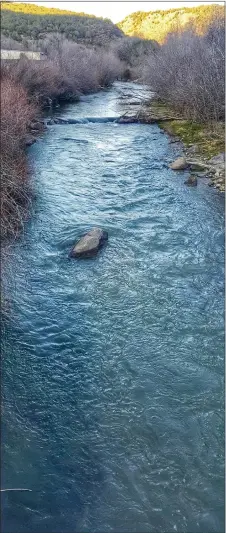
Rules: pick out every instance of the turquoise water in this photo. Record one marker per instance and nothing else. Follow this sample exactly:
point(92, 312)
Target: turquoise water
point(113, 368)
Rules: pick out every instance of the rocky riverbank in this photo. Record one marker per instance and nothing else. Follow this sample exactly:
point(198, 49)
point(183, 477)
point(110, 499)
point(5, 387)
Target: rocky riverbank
point(36, 127)
point(203, 145)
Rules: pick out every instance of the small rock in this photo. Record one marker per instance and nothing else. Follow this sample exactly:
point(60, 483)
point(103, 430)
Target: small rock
point(193, 149)
point(198, 165)
point(191, 181)
point(37, 126)
point(220, 158)
point(179, 164)
point(29, 141)
point(90, 243)
point(127, 120)
point(202, 174)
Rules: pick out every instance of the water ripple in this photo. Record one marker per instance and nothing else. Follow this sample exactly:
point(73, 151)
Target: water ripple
point(113, 367)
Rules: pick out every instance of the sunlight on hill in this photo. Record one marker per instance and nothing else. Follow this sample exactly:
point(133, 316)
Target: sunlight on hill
point(157, 24)
point(32, 9)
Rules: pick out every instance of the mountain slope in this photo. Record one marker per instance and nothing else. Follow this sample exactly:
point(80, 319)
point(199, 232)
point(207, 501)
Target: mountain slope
point(32, 22)
point(33, 9)
point(157, 24)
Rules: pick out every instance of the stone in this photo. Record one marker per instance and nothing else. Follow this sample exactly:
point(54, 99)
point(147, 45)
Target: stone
point(51, 122)
point(30, 140)
point(198, 165)
point(217, 159)
point(193, 149)
point(191, 181)
point(127, 120)
point(89, 244)
point(202, 174)
point(37, 126)
point(179, 164)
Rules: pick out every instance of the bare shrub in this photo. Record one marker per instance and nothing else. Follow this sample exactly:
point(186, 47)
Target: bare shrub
point(7, 43)
point(69, 71)
point(16, 115)
point(108, 68)
point(41, 79)
point(188, 73)
point(133, 50)
point(88, 69)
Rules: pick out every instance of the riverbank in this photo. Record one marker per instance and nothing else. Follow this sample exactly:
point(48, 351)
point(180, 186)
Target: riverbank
point(204, 144)
point(27, 88)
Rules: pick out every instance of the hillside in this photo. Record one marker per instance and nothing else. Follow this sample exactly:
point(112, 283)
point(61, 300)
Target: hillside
point(23, 22)
point(33, 9)
point(157, 24)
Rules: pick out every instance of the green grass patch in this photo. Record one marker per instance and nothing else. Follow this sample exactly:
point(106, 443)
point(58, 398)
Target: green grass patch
point(209, 138)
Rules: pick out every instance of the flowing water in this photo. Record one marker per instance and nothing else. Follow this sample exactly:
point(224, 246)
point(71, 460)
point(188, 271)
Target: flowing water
point(113, 367)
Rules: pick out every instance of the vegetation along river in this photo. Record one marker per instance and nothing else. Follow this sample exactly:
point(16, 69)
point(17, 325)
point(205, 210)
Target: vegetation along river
point(113, 367)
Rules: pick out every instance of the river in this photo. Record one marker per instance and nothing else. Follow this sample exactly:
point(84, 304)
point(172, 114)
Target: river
point(113, 368)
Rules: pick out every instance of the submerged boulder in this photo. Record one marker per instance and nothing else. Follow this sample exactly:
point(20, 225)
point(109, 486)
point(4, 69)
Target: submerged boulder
point(179, 164)
point(191, 181)
point(89, 244)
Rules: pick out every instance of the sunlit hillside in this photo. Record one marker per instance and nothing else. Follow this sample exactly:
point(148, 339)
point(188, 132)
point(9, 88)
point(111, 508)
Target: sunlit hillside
point(33, 9)
point(23, 22)
point(157, 24)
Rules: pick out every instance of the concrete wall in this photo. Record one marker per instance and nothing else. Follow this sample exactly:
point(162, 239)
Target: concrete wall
point(15, 54)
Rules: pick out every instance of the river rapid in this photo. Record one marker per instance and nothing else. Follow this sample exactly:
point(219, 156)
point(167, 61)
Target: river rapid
point(113, 367)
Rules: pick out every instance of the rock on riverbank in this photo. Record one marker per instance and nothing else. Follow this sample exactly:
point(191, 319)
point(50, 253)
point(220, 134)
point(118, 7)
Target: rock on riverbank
point(214, 169)
point(179, 164)
point(35, 129)
point(201, 141)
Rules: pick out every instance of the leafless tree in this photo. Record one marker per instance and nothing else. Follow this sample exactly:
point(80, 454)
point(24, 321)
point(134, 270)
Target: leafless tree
point(188, 73)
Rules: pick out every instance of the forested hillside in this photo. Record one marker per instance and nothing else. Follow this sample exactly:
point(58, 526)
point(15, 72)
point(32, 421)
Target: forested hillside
point(25, 22)
point(158, 24)
point(33, 9)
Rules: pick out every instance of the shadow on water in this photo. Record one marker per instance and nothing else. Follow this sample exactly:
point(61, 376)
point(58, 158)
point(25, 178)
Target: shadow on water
point(45, 444)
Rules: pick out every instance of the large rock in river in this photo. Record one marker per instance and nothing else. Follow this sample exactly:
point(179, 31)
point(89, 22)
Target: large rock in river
point(89, 244)
point(179, 164)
